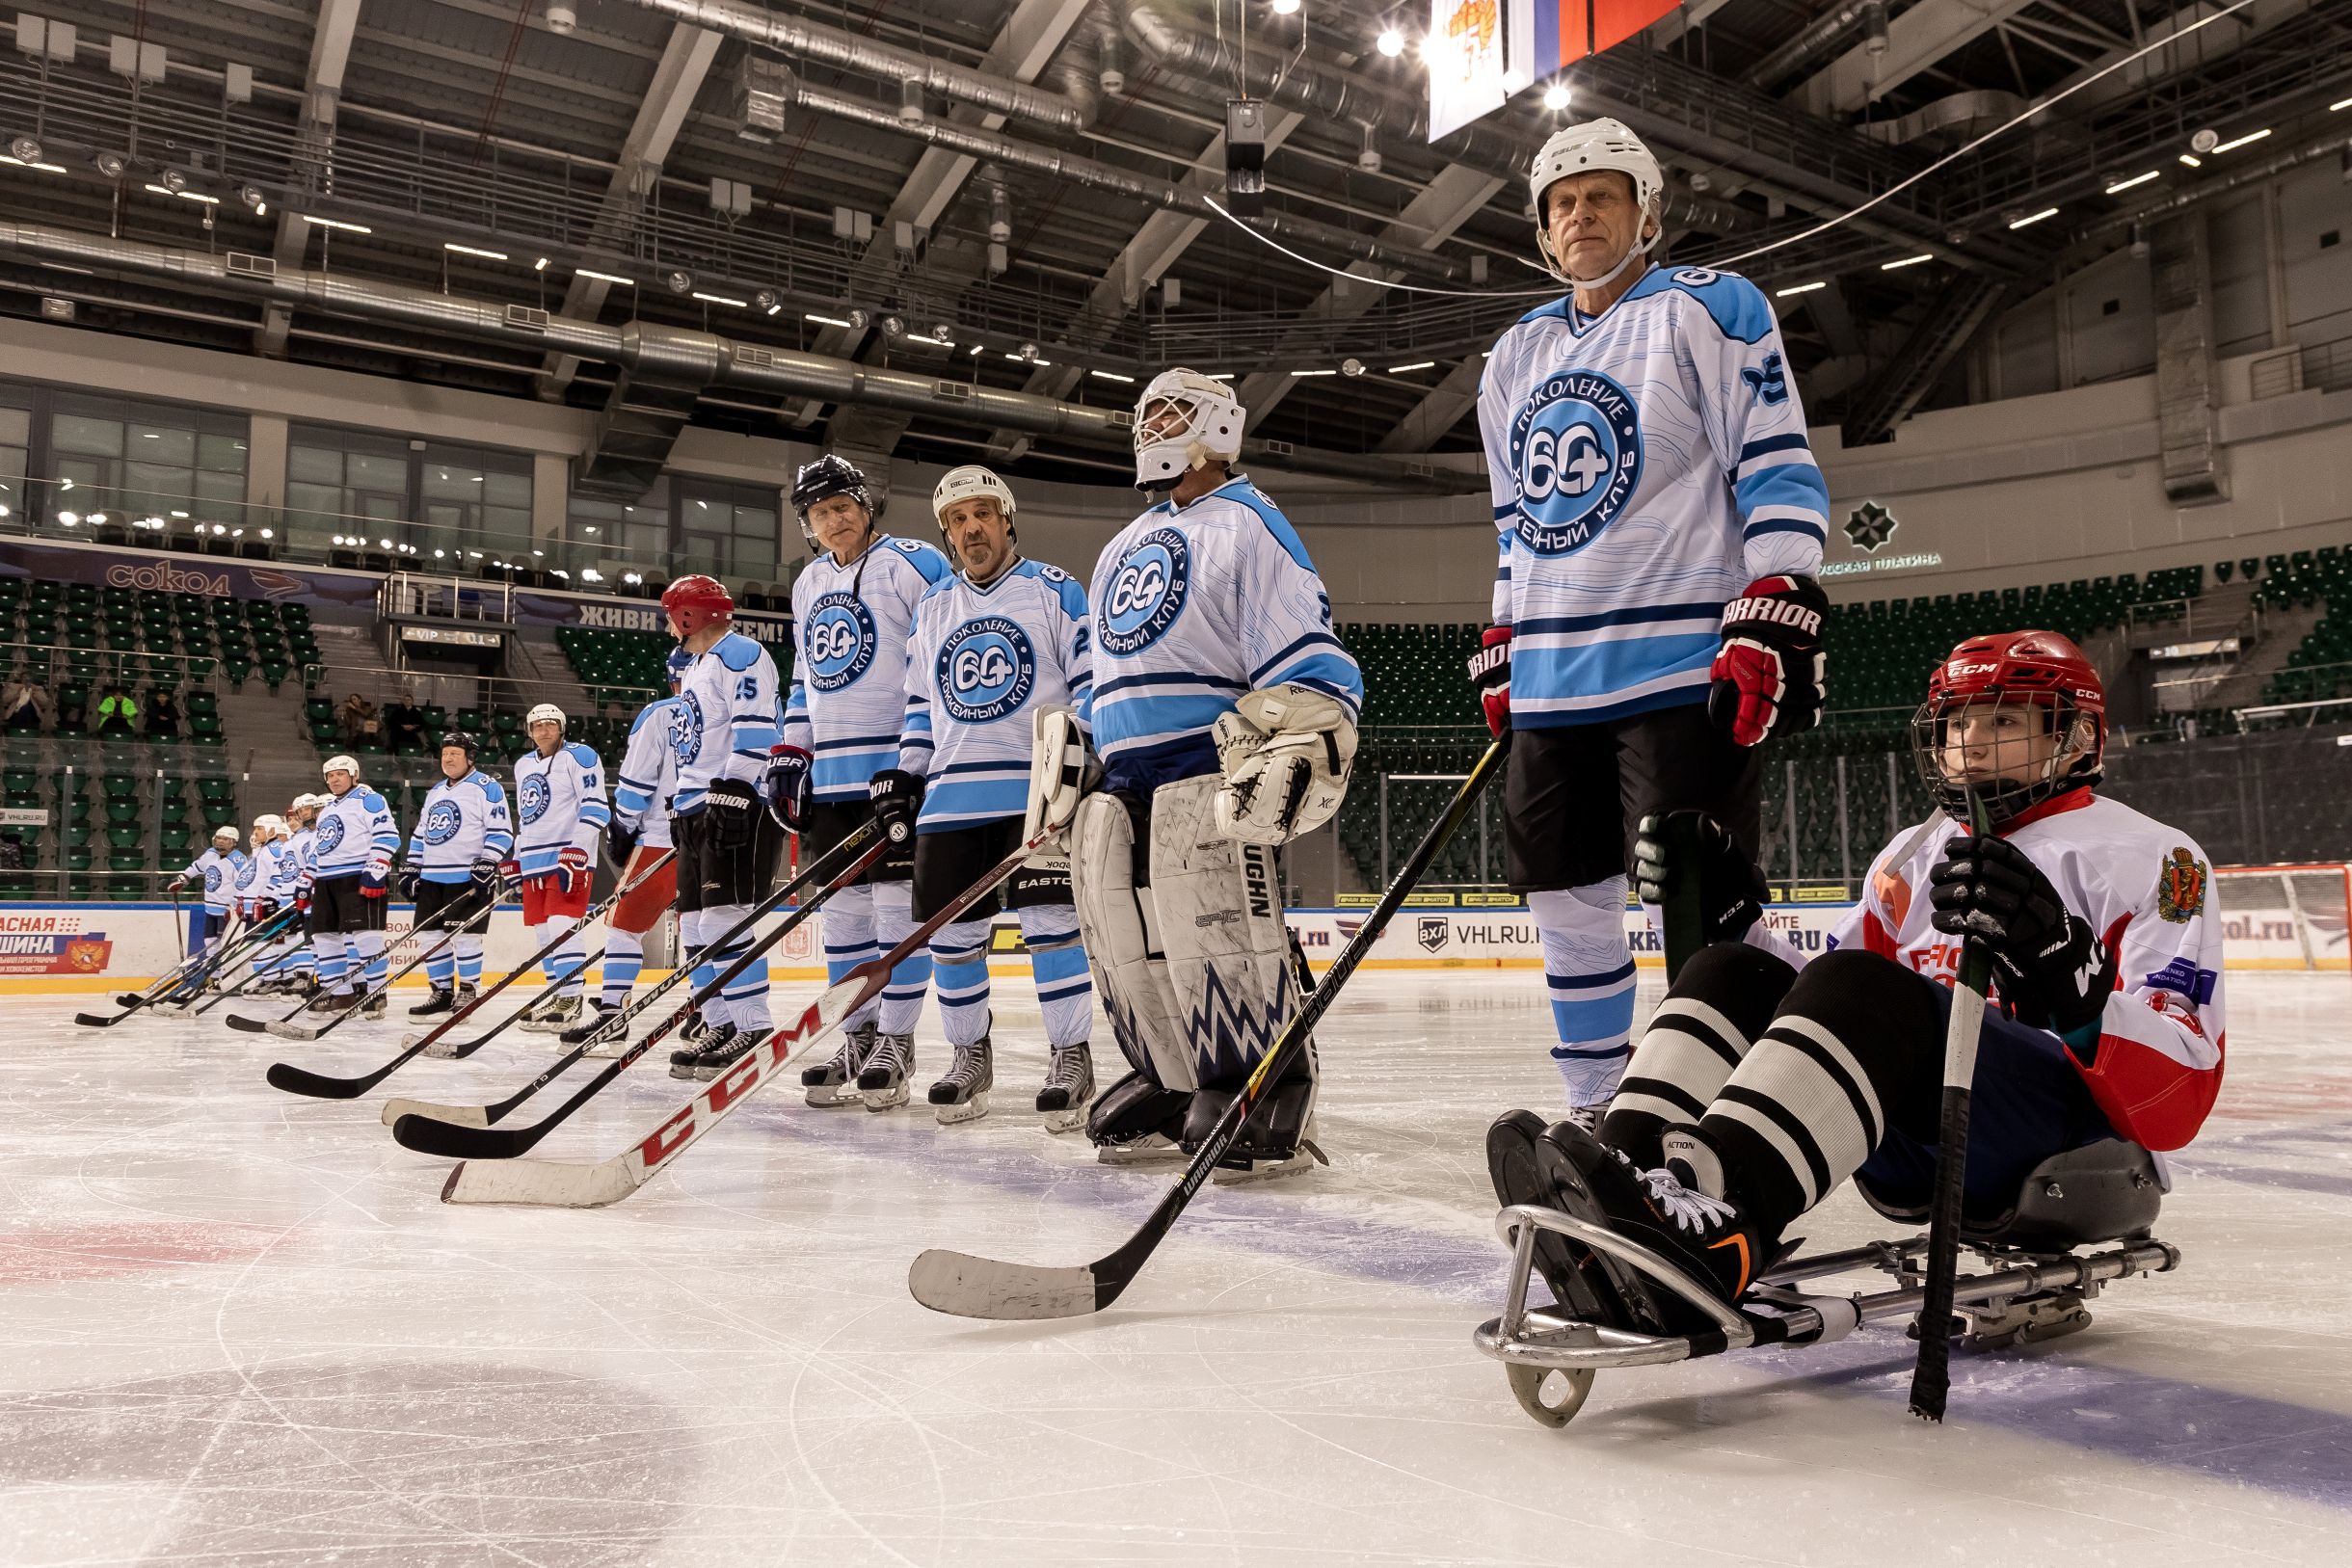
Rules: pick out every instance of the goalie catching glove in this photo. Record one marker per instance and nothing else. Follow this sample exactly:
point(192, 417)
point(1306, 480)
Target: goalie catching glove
point(1285, 753)
point(1061, 773)
point(1768, 677)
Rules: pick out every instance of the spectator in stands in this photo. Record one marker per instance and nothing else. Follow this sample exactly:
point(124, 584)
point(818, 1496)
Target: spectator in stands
point(360, 721)
point(72, 709)
point(163, 711)
point(13, 856)
point(405, 724)
point(24, 705)
point(118, 712)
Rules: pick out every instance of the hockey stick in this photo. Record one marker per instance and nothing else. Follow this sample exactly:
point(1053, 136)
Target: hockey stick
point(470, 1140)
point(296, 1081)
point(251, 956)
point(187, 968)
point(1680, 915)
point(286, 1029)
point(1932, 1374)
point(964, 1286)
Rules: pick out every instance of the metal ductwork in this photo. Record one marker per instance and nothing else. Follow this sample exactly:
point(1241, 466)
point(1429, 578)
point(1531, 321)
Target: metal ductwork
point(2188, 427)
point(667, 355)
point(663, 375)
point(2207, 190)
point(1816, 41)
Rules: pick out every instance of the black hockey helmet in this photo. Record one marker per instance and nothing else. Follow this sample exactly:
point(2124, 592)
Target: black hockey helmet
point(464, 740)
point(830, 475)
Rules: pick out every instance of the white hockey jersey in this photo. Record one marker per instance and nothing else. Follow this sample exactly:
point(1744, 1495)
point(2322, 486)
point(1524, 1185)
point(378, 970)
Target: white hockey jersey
point(649, 771)
point(850, 627)
point(219, 874)
point(978, 663)
point(560, 802)
point(729, 720)
point(1192, 607)
point(1646, 465)
point(356, 833)
point(283, 880)
point(463, 822)
point(2147, 890)
point(302, 848)
point(249, 879)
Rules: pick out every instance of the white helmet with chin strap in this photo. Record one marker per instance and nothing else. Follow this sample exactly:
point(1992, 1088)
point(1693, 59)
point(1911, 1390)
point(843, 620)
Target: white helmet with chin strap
point(1580, 150)
point(966, 482)
point(1211, 432)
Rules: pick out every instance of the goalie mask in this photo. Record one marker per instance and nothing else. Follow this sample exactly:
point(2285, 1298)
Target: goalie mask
point(1182, 420)
point(2014, 719)
point(1581, 149)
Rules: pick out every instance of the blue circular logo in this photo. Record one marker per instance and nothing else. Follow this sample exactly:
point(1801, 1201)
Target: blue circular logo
point(1148, 592)
point(534, 798)
point(686, 729)
point(330, 834)
point(1576, 451)
point(986, 670)
point(441, 821)
point(841, 641)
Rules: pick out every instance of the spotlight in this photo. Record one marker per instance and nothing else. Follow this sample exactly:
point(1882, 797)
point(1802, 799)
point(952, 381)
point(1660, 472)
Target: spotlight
point(252, 197)
point(97, 519)
point(1351, 368)
point(24, 149)
point(768, 300)
point(1556, 96)
point(1028, 353)
point(944, 331)
point(1286, 8)
point(110, 164)
point(69, 519)
point(677, 281)
point(1391, 43)
point(892, 327)
point(857, 321)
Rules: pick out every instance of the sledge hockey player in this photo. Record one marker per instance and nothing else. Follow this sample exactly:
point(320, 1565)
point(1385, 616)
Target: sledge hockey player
point(852, 607)
point(1223, 710)
point(727, 844)
point(462, 839)
point(215, 872)
point(992, 645)
point(1656, 609)
point(559, 801)
point(639, 834)
point(1760, 1085)
point(351, 872)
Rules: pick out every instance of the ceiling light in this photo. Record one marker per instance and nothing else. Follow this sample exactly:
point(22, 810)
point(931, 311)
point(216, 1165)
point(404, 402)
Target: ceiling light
point(823, 321)
point(929, 342)
point(1390, 42)
point(858, 319)
point(1028, 352)
point(1112, 375)
point(1220, 375)
point(944, 331)
point(2032, 217)
point(1417, 364)
point(1314, 372)
point(2191, 160)
point(978, 348)
point(336, 223)
point(2249, 136)
point(157, 189)
point(2121, 185)
point(1907, 261)
point(720, 299)
point(25, 150)
point(1351, 366)
point(1800, 288)
point(2340, 103)
point(174, 180)
point(677, 281)
point(768, 300)
point(892, 326)
point(541, 265)
point(1556, 96)
point(110, 164)
point(604, 276)
point(470, 251)
point(197, 196)
point(1286, 8)
point(71, 519)
point(252, 197)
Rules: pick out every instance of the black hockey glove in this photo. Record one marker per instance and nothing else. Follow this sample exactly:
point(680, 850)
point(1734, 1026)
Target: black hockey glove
point(730, 803)
point(898, 797)
point(620, 843)
point(1768, 677)
point(785, 785)
point(410, 879)
point(2054, 973)
point(487, 876)
point(1730, 889)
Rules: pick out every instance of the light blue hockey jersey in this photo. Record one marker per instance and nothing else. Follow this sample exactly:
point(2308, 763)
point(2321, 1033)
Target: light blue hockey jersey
point(850, 627)
point(1646, 465)
point(649, 771)
point(355, 834)
point(1192, 607)
point(978, 663)
point(302, 848)
point(729, 723)
point(281, 873)
point(219, 874)
point(560, 804)
point(463, 822)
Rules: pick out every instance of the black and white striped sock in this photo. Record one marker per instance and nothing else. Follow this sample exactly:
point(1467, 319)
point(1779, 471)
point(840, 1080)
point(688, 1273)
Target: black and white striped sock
point(1699, 1035)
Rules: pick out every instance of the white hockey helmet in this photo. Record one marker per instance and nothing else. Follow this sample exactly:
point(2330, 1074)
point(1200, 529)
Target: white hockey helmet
point(340, 764)
point(225, 835)
point(1579, 149)
point(1211, 431)
point(968, 481)
point(543, 713)
point(308, 802)
point(270, 823)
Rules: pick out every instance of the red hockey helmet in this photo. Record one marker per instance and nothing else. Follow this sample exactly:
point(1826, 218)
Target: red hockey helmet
point(693, 602)
point(1960, 752)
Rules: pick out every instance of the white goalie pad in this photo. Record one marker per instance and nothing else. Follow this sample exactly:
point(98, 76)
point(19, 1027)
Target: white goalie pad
point(1285, 753)
point(1220, 906)
point(1060, 773)
point(1117, 921)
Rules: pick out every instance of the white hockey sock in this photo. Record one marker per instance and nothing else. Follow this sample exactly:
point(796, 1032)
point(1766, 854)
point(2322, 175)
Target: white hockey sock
point(959, 963)
point(623, 962)
point(911, 976)
point(1057, 962)
point(848, 923)
point(746, 994)
point(1588, 968)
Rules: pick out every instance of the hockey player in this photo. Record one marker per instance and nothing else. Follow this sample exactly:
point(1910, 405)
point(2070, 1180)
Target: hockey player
point(991, 646)
point(301, 965)
point(559, 799)
point(351, 873)
point(639, 834)
point(463, 838)
point(254, 903)
point(215, 872)
point(1223, 710)
point(852, 608)
point(1759, 1085)
point(275, 885)
point(727, 844)
point(1656, 608)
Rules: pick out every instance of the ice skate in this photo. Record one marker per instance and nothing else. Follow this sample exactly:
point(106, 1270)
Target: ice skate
point(375, 1006)
point(441, 1000)
point(684, 1060)
point(882, 1084)
point(558, 1015)
point(328, 1003)
point(719, 1056)
point(1135, 1121)
point(961, 1093)
point(834, 1081)
point(1588, 1118)
point(593, 1027)
point(1275, 1140)
point(1069, 1084)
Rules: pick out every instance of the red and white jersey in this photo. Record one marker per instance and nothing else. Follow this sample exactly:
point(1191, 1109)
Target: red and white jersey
point(2147, 890)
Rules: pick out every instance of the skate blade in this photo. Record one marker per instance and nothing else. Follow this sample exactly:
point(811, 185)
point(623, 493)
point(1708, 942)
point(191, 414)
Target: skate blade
point(971, 1110)
point(679, 1070)
point(883, 1099)
point(445, 1049)
point(1152, 1150)
point(1306, 1158)
point(606, 1051)
point(1065, 1121)
point(833, 1096)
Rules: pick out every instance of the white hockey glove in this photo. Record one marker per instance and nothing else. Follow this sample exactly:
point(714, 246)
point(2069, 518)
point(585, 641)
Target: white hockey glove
point(1285, 753)
point(1061, 773)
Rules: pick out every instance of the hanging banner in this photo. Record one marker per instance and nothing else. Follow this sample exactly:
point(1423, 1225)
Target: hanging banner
point(1467, 52)
point(1564, 32)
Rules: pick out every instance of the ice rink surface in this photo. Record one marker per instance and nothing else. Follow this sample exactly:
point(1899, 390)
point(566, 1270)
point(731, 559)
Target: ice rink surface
point(238, 1328)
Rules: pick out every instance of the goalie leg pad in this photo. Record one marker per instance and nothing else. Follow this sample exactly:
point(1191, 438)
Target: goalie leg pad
point(1118, 920)
point(1220, 923)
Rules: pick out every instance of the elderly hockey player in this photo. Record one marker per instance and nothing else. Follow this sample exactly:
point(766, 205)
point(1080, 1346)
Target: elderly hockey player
point(1760, 1085)
point(351, 872)
point(463, 836)
point(1656, 613)
point(727, 844)
point(560, 813)
point(639, 835)
point(852, 608)
point(992, 647)
point(215, 872)
point(1223, 710)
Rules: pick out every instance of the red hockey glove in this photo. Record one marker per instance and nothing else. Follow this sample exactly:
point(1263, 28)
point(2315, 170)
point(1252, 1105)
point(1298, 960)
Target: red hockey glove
point(1769, 677)
point(1490, 675)
point(570, 868)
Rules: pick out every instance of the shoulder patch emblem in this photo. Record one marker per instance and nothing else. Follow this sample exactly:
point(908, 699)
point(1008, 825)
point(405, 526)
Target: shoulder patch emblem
point(1767, 380)
point(2181, 887)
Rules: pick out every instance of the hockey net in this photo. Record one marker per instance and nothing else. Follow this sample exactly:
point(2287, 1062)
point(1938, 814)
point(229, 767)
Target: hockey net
point(2286, 917)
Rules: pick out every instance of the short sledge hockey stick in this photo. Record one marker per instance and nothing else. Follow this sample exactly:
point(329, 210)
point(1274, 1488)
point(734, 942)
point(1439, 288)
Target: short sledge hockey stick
point(1932, 1373)
point(196, 966)
point(964, 1286)
point(593, 1187)
point(490, 1114)
point(319, 1086)
point(420, 954)
point(1681, 919)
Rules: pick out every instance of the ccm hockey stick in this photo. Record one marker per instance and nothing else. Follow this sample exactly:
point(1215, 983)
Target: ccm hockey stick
point(1932, 1374)
point(319, 1086)
point(834, 867)
point(964, 1286)
point(196, 966)
point(286, 1029)
point(593, 1187)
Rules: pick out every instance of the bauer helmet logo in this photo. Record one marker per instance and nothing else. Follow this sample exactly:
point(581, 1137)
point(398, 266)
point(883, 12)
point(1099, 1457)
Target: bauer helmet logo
point(1149, 589)
point(1576, 452)
point(840, 638)
point(986, 670)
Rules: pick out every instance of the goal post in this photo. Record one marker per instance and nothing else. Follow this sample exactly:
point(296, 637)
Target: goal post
point(2290, 917)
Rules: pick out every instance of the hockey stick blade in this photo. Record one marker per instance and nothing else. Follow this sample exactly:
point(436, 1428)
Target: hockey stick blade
point(250, 1025)
point(455, 1140)
point(93, 1021)
point(297, 1081)
point(962, 1285)
point(462, 1115)
point(284, 1030)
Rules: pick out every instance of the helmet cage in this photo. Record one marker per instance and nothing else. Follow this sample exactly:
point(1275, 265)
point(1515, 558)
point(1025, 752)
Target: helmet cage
point(2009, 781)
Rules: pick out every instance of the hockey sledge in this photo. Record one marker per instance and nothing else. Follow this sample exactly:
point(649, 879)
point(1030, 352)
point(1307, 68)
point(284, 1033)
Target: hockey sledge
point(2082, 1218)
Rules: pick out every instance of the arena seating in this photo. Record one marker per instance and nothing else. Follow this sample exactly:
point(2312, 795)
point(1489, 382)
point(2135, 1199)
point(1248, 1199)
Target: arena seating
point(2320, 667)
